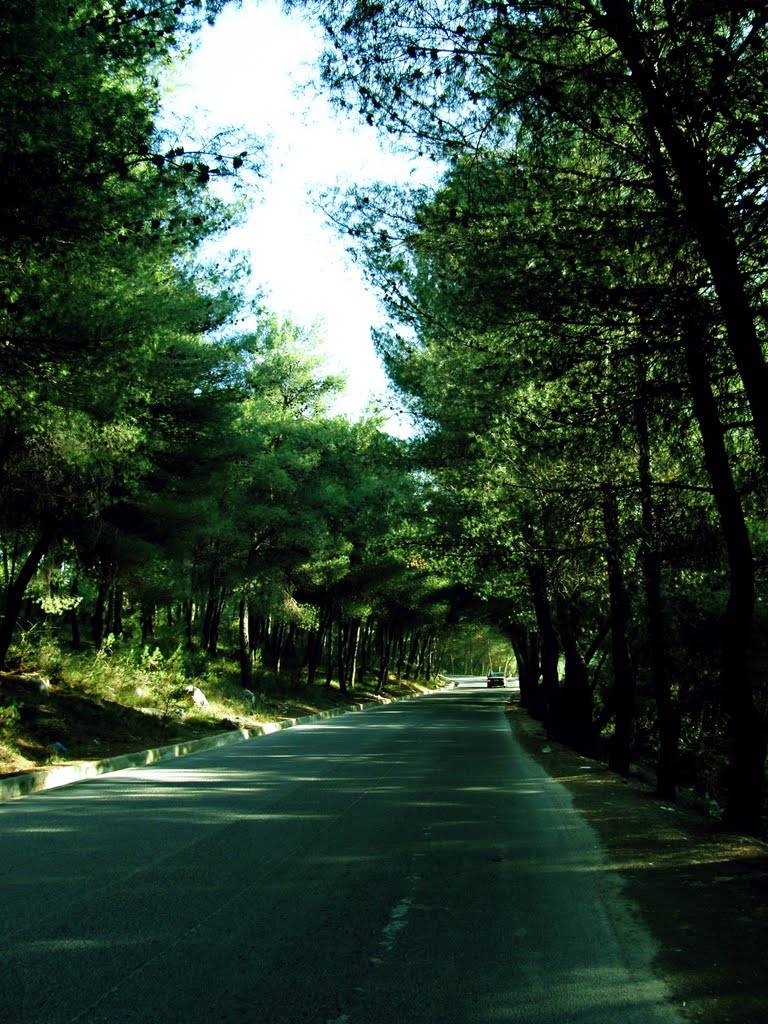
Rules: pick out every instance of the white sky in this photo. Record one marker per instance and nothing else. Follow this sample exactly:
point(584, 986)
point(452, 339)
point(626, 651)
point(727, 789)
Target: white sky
point(247, 71)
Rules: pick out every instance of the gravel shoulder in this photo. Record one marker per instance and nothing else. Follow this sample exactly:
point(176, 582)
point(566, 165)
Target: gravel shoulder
point(702, 894)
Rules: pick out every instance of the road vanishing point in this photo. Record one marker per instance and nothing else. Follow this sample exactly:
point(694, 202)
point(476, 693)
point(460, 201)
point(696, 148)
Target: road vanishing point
point(408, 864)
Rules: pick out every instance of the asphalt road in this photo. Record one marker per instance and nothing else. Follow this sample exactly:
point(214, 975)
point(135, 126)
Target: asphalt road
point(406, 864)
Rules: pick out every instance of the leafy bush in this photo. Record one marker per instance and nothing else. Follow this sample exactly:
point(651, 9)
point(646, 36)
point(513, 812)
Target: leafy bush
point(9, 717)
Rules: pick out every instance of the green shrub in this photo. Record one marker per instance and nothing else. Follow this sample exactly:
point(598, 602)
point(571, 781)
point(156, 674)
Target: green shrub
point(9, 717)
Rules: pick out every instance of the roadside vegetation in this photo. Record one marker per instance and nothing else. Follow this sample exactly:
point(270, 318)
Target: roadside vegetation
point(79, 707)
point(59, 705)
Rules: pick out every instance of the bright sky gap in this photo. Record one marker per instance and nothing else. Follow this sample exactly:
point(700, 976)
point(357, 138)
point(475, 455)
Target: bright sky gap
point(254, 70)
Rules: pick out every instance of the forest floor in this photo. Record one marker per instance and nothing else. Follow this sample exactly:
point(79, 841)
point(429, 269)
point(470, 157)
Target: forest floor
point(703, 894)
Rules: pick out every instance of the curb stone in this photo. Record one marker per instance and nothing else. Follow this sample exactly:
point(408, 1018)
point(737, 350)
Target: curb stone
point(53, 778)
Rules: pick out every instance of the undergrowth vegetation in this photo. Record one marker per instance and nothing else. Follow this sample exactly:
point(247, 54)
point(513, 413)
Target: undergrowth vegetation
point(59, 705)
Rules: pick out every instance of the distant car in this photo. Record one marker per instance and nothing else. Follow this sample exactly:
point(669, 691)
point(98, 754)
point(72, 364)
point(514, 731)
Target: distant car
point(497, 679)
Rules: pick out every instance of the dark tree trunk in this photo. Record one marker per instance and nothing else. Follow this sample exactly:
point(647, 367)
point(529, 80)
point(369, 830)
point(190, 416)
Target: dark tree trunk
point(385, 649)
point(667, 714)
point(244, 643)
point(365, 648)
point(549, 695)
point(747, 738)
point(147, 620)
point(315, 645)
point(413, 648)
point(427, 655)
point(696, 180)
point(27, 617)
point(341, 651)
point(17, 589)
point(117, 610)
point(312, 654)
point(74, 623)
point(574, 725)
point(329, 648)
point(398, 651)
point(212, 620)
point(275, 644)
point(97, 622)
point(208, 617)
point(189, 622)
point(525, 644)
point(620, 750)
point(356, 629)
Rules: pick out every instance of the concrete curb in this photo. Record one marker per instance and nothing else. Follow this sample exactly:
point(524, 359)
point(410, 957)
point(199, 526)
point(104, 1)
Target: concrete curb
point(53, 778)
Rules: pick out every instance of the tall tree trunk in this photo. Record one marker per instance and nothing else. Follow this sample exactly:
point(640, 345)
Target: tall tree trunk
point(620, 751)
point(244, 643)
point(695, 179)
point(355, 642)
point(329, 648)
point(147, 620)
point(97, 622)
point(208, 617)
point(667, 714)
point(428, 655)
point(385, 639)
point(341, 653)
point(549, 695)
point(315, 645)
point(74, 623)
point(276, 645)
point(365, 647)
point(421, 664)
point(525, 644)
point(18, 587)
point(189, 621)
point(118, 601)
point(747, 737)
point(413, 648)
point(312, 654)
point(212, 618)
point(574, 725)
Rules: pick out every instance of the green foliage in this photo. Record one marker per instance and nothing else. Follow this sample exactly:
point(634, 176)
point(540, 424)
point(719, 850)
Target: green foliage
point(103, 314)
point(10, 715)
point(38, 645)
point(174, 489)
point(576, 322)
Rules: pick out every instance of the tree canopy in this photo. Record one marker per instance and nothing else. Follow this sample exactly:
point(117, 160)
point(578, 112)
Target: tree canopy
point(577, 322)
point(168, 447)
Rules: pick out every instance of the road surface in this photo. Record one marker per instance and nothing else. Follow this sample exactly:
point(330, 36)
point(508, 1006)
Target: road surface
point(408, 864)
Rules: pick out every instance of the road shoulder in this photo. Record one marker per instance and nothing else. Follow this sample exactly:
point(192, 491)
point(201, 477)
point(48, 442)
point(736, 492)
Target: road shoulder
point(701, 894)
